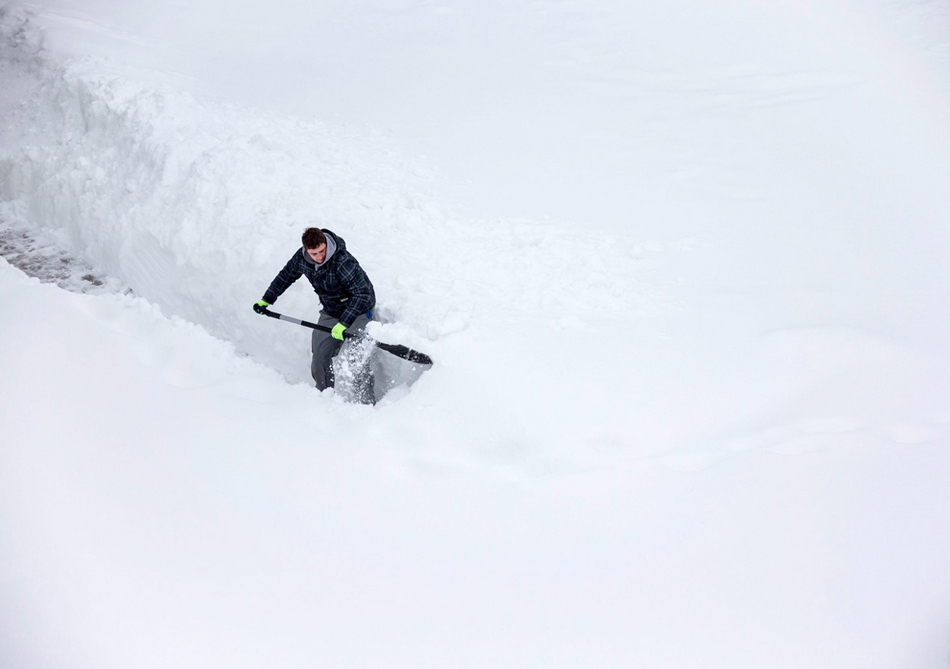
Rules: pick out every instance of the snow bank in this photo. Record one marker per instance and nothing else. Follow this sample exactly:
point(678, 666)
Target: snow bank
point(551, 339)
point(197, 206)
point(727, 449)
point(165, 502)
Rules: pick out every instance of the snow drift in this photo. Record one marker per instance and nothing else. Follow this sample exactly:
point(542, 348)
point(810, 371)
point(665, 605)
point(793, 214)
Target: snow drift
point(696, 416)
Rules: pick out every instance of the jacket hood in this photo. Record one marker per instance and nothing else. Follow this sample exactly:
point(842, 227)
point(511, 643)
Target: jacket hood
point(340, 244)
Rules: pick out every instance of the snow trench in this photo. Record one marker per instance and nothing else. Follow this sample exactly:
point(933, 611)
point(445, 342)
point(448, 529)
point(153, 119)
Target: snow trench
point(43, 260)
point(196, 206)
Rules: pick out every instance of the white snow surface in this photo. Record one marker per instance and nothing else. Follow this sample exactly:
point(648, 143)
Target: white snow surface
point(682, 267)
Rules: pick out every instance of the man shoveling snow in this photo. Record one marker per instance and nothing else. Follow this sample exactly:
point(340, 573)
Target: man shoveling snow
point(347, 298)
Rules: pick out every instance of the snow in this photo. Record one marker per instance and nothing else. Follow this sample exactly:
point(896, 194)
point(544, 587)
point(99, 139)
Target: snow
point(681, 269)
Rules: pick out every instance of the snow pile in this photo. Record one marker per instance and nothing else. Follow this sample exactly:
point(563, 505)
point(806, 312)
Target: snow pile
point(707, 399)
point(166, 503)
point(197, 206)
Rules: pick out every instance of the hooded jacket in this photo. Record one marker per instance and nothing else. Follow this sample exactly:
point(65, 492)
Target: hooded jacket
point(341, 284)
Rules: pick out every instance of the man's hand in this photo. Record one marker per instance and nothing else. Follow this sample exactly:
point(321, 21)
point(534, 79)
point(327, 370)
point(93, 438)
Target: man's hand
point(337, 331)
point(259, 306)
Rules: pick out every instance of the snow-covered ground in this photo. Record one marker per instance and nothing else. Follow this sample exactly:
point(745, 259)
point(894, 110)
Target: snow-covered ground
point(681, 266)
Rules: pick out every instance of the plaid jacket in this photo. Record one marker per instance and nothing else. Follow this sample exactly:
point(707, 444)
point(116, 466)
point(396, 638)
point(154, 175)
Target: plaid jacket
point(341, 284)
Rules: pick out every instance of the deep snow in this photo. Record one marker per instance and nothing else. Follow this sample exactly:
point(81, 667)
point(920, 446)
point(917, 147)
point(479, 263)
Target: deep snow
point(682, 269)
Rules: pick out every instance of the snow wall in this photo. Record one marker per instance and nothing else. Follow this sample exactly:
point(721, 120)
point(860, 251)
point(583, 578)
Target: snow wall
point(196, 206)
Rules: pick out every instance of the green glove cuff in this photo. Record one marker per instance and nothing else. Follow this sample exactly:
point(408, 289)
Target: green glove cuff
point(337, 331)
point(259, 306)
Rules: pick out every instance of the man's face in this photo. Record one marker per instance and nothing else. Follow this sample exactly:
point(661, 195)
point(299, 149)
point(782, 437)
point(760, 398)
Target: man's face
point(318, 254)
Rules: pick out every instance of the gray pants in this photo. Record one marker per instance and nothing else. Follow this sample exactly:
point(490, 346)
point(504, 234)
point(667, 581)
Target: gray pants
point(324, 348)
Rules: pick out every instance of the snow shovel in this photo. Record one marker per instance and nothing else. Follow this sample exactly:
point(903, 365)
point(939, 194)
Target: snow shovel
point(399, 351)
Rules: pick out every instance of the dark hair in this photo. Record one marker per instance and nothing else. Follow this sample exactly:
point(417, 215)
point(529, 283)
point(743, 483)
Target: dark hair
point(313, 238)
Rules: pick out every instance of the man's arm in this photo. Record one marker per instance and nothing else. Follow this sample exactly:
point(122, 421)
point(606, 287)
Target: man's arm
point(291, 272)
point(362, 295)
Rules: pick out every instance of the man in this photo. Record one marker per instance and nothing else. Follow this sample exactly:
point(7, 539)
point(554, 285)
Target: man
point(346, 296)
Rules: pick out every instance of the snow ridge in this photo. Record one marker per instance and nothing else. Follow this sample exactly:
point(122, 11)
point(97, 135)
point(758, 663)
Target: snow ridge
point(197, 205)
point(738, 438)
